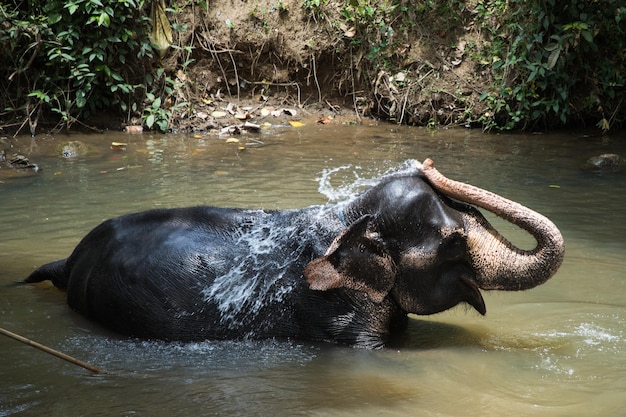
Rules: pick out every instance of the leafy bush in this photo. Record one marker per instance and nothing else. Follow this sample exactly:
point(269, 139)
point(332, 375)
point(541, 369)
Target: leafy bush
point(553, 60)
point(74, 57)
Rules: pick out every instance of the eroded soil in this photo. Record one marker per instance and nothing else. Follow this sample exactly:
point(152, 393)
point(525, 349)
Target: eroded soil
point(250, 58)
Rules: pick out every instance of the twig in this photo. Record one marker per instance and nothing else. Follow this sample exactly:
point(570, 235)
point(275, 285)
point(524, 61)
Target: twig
point(356, 109)
point(28, 119)
point(51, 351)
point(37, 46)
point(223, 51)
point(317, 84)
point(333, 107)
point(236, 75)
point(406, 98)
point(615, 112)
point(211, 49)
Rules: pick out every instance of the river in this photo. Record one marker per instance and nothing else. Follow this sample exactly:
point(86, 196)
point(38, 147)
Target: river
point(556, 350)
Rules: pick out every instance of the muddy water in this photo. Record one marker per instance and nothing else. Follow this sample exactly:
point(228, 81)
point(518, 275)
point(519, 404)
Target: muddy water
point(557, 350)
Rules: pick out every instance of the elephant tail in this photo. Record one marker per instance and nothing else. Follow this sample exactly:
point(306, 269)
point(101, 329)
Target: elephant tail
point(53, 271)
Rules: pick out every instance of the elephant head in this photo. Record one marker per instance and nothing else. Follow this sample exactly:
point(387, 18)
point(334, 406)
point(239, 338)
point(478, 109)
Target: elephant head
point(414, 239)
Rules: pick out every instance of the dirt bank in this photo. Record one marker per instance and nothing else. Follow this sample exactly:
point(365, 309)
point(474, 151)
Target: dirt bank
point(235, 61)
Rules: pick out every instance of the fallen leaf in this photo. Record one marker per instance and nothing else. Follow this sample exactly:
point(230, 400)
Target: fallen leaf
point(251, 126)
point(295, 123)
point(400, 77)
point(324, 120)
point(231, 108)
point(230, 130)
point(232, 140)
point(218, 114)
point(456, 62)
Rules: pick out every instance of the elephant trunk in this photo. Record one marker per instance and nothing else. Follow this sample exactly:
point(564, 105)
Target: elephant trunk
point(499, 264)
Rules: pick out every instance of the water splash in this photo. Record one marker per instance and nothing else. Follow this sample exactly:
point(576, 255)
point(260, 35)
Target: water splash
point(355, 179)
point(595, 335)
point(265, 255)
point(581, 340)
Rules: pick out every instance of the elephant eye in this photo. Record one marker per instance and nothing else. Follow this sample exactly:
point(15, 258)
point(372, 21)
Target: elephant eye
point(453, 246)
point(373, 244)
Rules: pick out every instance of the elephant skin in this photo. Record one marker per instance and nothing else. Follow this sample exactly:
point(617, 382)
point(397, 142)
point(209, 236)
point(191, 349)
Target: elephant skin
point(345, 273)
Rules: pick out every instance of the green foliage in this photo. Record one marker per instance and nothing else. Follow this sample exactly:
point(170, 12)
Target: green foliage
point(75, 58)
point(158, 108)
point(372, 22)
point(316, 8)
point(554, 59)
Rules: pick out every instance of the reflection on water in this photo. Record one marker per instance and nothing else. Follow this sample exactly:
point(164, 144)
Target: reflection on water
point(557, 350)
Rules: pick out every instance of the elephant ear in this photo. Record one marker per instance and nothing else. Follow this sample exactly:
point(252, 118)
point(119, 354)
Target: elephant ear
point(357, 259)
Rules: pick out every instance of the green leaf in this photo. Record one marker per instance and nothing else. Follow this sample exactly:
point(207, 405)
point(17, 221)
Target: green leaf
point(104, 20)
point(150, 121)
point(40, 95)
point(588, 35)
point(116, 76)
point(162, 125)
point(54, 18)
point(81, 99)
point(553, 58)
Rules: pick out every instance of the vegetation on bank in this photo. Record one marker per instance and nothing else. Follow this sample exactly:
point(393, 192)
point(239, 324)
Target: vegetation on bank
point(497, 64)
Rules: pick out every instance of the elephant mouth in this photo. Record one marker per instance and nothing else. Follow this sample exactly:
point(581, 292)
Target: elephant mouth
point(473, 296)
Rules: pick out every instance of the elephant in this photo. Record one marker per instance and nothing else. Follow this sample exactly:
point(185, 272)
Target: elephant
point(347, 273)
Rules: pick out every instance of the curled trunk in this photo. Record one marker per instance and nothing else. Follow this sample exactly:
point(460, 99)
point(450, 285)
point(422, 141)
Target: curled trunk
point(500, 265)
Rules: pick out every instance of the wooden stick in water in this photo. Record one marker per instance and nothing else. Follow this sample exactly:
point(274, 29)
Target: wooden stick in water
point(51, 351)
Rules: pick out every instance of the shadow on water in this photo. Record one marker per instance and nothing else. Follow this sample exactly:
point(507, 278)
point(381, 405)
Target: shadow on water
point(423, 334)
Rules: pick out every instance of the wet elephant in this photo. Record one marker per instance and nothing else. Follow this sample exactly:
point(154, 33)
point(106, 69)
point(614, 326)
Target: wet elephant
point(346, 273)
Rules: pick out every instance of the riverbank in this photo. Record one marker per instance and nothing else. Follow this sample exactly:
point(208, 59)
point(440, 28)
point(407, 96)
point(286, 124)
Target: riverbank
point(514, 65)
point(327, 59)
